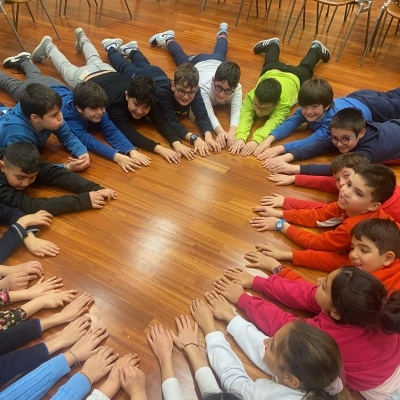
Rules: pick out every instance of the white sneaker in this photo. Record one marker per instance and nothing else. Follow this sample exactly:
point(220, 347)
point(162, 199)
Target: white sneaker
point(160, 39)
point(126, 48)
point(107, 43)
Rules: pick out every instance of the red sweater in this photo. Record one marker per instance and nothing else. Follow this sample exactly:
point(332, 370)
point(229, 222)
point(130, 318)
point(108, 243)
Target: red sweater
point(369, 357)
point(338, 239)
point(327, 184)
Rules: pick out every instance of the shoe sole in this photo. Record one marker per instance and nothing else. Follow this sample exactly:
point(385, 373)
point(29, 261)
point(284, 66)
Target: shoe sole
point(259, 44)
point(118, 41)
point(154, 37)
point(38, 47)
point(24, 53)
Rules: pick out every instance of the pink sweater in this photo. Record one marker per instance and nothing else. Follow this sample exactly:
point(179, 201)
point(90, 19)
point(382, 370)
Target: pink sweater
point(369, 358)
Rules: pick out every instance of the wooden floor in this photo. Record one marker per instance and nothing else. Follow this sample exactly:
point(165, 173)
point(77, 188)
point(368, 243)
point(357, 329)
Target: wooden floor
point(174, 228)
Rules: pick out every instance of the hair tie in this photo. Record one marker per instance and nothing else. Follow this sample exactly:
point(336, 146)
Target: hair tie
point(335, 387)
point(383, 304)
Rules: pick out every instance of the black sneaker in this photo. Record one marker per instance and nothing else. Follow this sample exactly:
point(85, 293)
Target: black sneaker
point(262, 45)
point(325, 53)
point(14, 62)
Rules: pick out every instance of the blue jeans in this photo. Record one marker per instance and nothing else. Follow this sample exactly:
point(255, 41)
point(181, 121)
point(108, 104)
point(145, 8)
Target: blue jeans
point(139, 65)
point(180, 57)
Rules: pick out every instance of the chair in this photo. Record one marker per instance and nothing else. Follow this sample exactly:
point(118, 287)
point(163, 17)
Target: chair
point(363, 6)
point(3, 11)
point(16, 14)
point(100, 11)
point(391, 8)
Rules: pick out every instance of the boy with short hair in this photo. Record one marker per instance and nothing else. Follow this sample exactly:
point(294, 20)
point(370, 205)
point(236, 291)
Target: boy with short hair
point(359, 199)
point(83, 109)
point(349, 132)
point(274, 95)
point(219, 78)
point(21, 165)
point(128, 98)
point(35, 118)
point(180, 96)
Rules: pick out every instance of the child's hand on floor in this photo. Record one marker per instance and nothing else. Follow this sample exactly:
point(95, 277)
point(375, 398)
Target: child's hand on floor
point(108, 194)
point(261, 261)
point(270, 250)
point(133, 381)
point(271, 153)
point(43, 286)
point(264, 223)
point(240, 276)
point(236, 147)
point(76, 308)
point(160, 341)
point(40, 247)
point(140, 158)
point(277, 166)
point(30, 267)
point(39, 218)
point(276, 200)
point(249, 148)
point(56, 298)
point(185, 151)
point(266, 211)
point(17, 281)
point(281, 179)
point(97, 200)
point(212, 144)
point(203, 314)
point(220, 308)
point(186, 333)
point(227, 288)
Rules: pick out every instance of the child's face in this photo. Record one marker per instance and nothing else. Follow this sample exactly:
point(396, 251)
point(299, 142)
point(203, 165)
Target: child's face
point(343, 176)
point(222, 92)
point(92, 114)
point(356, 197)
point(365, 255)
point(136, 109)
point(184, 95)
point(345, 140)
point(314, 112)
point(16, 178)
point(51, 121)
point(323, 294)
point(262, 109)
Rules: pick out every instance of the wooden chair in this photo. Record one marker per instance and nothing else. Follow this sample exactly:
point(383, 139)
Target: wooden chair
point(15, 13)
point(364, 6)
point(100, 10)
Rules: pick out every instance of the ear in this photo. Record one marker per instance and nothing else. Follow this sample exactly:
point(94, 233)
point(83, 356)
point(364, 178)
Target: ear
point(291, 381)
point(126, 96)
point(327, 107)
point(80, 110)
point(361, 133)
point(172, 86)
point(334, 314)
point(374, 206)
point(34, 118)
point(2, 166)
point(389, 258)
point(213, 79)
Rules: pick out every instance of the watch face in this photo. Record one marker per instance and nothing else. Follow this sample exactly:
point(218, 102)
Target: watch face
point(279, 224)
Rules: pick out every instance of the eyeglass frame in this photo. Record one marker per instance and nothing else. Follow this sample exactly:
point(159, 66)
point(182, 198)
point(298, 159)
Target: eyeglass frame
point(220, 89)
point(343, 141)
point(190, 94)
point(263, 109)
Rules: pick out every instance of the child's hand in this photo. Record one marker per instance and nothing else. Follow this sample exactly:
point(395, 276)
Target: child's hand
point(261, 261)
point(40, 247)
point(186, 334)
point(276, 200)
point(270, 250)
point(39, 218)
point(187, 152)
point(30, 267)
point(203, 314)
point(97, 200)
point(201, 146)
point(221, 138)
point(141, 158)
point(280, 167)
point(78, 164)
point(271, 153)
point(264, 223)
point(212, 144)
point(56, 298)
point(220, 308)
point(230, 136)
point(99, 364)
point(227, 288)
point(160, 342)
point(259, 152)
point(17, 281)
point(249, 148)
point(170, 155)
point(133, 381)
point(43, 287)
point(266, 211)
point(126, 163)
point(236, 147)
point(240, 276)
point(73, 332)
point(282, 180)
point(108, 194)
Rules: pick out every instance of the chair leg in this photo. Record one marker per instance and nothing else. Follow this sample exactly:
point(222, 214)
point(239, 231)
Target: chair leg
point(331, 20)
point(302, 11)
point(129, 10)
point(100, 12)
point(387, 30)
point(239, 12)
point(288, 21)
point(12, 27)
point(48, 17)
point(248, 12)
point(30, 12)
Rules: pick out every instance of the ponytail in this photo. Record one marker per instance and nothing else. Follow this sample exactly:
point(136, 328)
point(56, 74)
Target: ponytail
point(390, 314)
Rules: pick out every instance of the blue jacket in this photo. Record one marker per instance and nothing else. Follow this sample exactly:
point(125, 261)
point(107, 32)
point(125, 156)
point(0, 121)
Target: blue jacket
point(320, 128)
point(80, 127)
point(379, 144)
point(15, 127)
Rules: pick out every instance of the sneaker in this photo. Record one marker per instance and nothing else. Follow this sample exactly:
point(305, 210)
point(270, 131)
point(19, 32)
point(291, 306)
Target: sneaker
point(262, 45)
point(14, 62)
point(39, 53)
point(108, 43)
point(223, 29)
point(325, 53)
point(80, 39)
point(160, 39)
point(126, 48)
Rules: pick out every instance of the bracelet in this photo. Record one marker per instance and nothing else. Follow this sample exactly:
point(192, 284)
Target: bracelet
point(80, 372)
point(77, 362)
point(188, 344)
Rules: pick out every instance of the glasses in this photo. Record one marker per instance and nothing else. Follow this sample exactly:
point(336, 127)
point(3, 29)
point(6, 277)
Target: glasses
point(344, 140)
point(227, 91)
point(182, 93)
point(263, 109)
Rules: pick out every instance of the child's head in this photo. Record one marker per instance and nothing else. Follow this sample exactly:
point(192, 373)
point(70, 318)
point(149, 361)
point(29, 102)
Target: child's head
point(42, 106)
point(266, 96)
point(342, 167)
point(304, 357)
point(369, 187)
point(347, 127)
point(354, 297)
point(375, 244)
point(90, 101)
point(225, 81)
point(140, 96)
point(315, 97)
point(185, 84)
point(20, 164)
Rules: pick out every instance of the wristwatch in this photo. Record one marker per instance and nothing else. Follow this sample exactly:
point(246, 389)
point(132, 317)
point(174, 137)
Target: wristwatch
point(278, 269)
point(279, 224)
point(193, 138)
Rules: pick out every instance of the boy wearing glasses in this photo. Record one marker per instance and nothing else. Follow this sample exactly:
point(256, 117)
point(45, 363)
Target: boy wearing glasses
point(274, 95)
point(181, 96)
point(219, 79)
